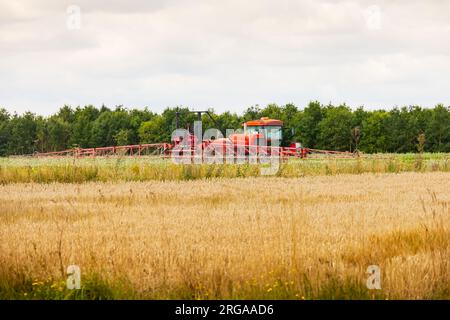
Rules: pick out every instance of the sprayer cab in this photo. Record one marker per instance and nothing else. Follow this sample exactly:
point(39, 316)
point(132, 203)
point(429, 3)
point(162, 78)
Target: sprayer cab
point(270, 128)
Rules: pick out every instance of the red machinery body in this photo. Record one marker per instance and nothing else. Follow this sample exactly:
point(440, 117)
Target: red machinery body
point(259, 136)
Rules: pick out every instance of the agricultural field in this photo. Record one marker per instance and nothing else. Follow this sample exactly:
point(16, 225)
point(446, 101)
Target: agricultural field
point(114, 169)
point(150, 229)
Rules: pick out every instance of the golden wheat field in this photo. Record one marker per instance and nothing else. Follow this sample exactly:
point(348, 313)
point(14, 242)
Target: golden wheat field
point(269, 238)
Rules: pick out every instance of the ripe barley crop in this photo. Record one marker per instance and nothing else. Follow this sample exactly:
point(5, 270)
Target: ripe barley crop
point(310, 237)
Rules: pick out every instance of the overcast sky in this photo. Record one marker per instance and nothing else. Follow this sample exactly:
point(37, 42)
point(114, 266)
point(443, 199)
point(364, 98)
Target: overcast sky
point(225, 54)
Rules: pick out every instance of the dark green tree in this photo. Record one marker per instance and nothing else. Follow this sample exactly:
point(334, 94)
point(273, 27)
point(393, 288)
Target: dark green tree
point(83, 122)
point(309, 124)
point(108, 125)
point(252, 113)
point(150, 131)
point(22, 138)
point(4, 131)
point(373, 132)
point(58, 133)
point(438, 129)
point(335, 129)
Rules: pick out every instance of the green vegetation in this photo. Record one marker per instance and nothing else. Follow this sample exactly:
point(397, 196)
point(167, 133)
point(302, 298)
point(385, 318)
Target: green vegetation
point(72, 170)
point(316, 126)
point(95, 288)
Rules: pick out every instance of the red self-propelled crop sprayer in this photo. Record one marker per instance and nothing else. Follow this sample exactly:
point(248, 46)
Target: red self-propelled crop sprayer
point(262, 136)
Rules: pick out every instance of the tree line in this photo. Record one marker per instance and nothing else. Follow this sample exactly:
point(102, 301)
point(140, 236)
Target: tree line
point(315, 126)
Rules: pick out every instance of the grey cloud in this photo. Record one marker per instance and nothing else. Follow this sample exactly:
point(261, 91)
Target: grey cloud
point(226, 54)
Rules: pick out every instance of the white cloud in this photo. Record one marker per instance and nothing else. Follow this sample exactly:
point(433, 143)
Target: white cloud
point(224, 54)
